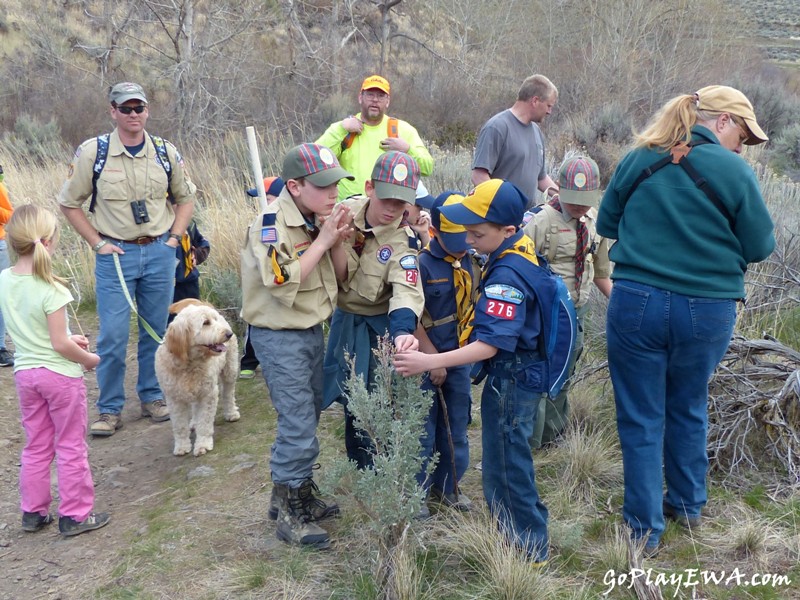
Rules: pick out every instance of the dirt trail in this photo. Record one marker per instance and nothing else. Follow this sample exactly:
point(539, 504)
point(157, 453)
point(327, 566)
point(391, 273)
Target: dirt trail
point(127, 468)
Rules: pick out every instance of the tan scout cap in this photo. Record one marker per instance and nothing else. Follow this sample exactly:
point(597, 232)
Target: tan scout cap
point(721, 98)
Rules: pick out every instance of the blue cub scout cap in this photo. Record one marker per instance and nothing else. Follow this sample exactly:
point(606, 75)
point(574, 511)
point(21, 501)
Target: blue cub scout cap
point(452, 236)
point(493, 201)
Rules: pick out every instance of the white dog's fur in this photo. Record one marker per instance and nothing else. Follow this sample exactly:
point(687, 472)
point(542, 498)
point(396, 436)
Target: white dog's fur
point(198, 357)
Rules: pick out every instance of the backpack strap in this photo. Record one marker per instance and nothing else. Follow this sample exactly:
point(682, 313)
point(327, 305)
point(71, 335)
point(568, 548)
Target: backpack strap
point(391, 131)
point(162, 158)
point(99, 164)
point(679, 155)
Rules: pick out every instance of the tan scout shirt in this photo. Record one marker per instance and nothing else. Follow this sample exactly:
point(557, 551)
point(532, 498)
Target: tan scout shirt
point(385, 276)
point(126, 178)
point(554, 236)
point(281, 232)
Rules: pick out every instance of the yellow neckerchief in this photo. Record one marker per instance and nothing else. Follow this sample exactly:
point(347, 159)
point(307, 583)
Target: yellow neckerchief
point(462, 281)
point(188, 256)
point(523, 247)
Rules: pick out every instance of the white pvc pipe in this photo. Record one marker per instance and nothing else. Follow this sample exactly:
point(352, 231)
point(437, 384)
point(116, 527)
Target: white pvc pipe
point(255, 161)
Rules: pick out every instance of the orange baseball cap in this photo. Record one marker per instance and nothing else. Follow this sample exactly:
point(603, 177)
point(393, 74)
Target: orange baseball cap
point(375, 82)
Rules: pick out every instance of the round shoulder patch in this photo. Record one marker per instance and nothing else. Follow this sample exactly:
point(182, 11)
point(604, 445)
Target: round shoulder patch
point(326, 156)
point(384, 254)
point(400, 172)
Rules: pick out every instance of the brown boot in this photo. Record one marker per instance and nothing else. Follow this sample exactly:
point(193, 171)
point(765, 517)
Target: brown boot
point(317, 508)
point(294, 524)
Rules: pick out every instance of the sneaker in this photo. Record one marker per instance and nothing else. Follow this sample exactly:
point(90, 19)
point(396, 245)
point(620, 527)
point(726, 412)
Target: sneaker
point(691, 522)
point(32, 521)
point(247, 374)
point(106, 425)
point(6, 359)
point(461, 503)
point(69, 526)
point(156, 410)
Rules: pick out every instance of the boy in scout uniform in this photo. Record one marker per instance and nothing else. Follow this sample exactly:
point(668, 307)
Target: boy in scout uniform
point(505, 337)
point(141, 204)
point(564, 232)
point(291, 259)
point(448, 275)
point(381, 290)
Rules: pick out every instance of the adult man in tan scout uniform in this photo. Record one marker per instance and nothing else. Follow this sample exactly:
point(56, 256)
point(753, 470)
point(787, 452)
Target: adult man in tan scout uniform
point(564, 232)
point(291, 259)
point(141, 203)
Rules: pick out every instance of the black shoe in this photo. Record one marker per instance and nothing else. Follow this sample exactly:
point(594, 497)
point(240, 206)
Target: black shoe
point(32, 521)
point(6, 359)
point(691, 522)
point(69, 526)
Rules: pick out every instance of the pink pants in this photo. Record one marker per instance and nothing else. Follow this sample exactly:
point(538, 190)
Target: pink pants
point(54, 416)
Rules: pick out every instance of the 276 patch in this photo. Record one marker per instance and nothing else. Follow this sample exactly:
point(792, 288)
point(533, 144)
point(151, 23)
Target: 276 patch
point(502, 310)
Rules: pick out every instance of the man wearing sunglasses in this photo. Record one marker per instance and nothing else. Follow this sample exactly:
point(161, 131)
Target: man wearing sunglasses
point(141, 204)
point(360, 139)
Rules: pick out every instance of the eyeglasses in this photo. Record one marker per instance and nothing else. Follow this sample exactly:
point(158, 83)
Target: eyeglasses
point(126, 110)
point(739, 122)
point(375, 95)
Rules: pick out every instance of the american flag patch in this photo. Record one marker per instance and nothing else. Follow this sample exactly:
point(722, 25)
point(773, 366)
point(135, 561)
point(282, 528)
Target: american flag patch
point(269, 235)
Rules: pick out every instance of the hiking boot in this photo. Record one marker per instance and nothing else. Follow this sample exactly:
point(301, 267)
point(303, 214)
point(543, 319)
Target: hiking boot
point(317, 508)
point(424, 512)
point(691, 522)
point(69, 526)
point(32, 521)
point(294, 525)
point(651, 550)
point(157, 410)
point(247, 374)
point(6, 359)
point(460, 503)
point(106, 425)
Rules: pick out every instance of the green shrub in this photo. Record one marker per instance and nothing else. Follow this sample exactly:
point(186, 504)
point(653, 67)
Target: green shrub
point(34, 140)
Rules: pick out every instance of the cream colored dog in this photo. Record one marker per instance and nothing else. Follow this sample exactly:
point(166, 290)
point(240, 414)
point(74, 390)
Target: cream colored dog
point(198, 357)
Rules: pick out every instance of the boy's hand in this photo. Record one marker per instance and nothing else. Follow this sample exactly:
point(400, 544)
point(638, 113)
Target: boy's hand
point(335, 227)
point(411, 363)
point(423, 223)
point(437, 376)
point(406, 343)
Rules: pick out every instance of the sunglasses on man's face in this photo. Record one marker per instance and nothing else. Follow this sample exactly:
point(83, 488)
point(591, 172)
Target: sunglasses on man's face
point(126, 110)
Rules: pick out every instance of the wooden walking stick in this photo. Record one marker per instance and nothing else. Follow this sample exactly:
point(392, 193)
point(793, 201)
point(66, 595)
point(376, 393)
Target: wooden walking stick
point(442, 403)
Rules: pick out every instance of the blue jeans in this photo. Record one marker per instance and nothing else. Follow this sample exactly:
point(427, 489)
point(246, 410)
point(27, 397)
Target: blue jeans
point(4, 264)
point(508, 413)
point(149, 273)
point(663, 348)
point(457, 399)
point(291, 361)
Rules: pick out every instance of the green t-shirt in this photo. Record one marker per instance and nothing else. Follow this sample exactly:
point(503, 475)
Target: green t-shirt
point(26, 301)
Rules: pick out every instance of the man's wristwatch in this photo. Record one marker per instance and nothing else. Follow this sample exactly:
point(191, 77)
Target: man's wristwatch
point(99, 245)
point(175, 236)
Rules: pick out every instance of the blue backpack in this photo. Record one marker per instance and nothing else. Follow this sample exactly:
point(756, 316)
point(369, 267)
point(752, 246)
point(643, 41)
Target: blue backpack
point(559, 323)
point(162, 158)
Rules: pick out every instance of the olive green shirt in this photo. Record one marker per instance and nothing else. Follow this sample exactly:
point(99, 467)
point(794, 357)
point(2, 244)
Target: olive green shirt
point(126, 178)
point(282, 233)
point(380, 278)
point(555, 238)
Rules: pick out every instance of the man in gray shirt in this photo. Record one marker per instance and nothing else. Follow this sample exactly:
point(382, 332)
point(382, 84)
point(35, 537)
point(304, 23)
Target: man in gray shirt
point(510, 144)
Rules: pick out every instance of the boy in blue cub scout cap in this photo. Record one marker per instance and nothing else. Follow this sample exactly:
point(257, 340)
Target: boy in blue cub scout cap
point(381, 290)
point(448, 274)
point(504, 327)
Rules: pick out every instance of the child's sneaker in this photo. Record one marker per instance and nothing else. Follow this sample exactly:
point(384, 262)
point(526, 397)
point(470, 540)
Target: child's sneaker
point(69, 526)
point(33, 521)
point(247, 374)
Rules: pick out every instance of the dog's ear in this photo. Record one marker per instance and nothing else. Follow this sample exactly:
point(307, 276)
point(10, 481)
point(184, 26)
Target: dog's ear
point(178, 338)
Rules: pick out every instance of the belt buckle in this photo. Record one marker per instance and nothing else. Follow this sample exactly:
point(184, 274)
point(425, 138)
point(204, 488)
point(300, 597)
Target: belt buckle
point(143, 240)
